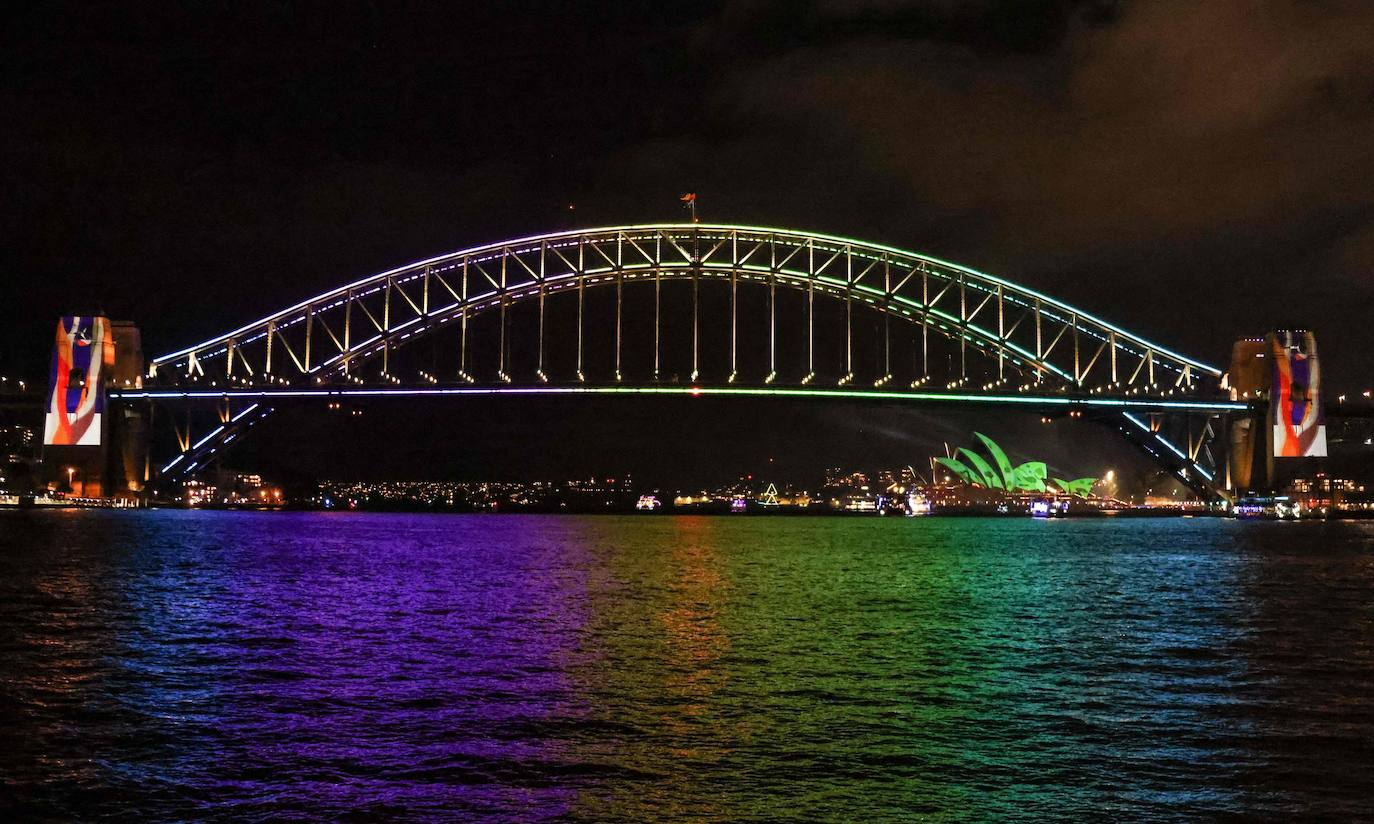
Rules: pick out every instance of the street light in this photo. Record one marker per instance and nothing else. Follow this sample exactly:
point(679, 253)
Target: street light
point(71, 471)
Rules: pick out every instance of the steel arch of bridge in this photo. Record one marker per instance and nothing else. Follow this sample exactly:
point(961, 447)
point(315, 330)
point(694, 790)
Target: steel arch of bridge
point(1053, 348)
point(1022, 328)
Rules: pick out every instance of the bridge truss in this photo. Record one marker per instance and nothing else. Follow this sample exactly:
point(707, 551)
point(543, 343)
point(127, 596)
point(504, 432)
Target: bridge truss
point(864, 320)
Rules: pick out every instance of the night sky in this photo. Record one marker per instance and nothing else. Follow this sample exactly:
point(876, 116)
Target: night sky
point(1192, 171)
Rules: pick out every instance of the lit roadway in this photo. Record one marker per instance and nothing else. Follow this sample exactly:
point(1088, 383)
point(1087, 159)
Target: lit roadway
point(1029, 401)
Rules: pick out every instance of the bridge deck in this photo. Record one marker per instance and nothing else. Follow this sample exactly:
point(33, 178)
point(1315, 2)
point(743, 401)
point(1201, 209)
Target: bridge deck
point(1029, 401)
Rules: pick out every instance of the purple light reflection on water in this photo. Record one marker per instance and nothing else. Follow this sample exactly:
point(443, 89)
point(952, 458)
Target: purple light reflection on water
point(407, 664)
point(437, 672)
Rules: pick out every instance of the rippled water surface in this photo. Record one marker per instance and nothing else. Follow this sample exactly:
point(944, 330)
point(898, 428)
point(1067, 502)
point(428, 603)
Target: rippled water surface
point(266, 666)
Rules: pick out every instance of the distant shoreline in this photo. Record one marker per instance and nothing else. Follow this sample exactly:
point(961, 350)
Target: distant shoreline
point(1151, 512)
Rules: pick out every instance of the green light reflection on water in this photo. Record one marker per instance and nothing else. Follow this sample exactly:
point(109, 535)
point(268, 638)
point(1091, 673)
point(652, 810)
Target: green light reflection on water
point(941, 668)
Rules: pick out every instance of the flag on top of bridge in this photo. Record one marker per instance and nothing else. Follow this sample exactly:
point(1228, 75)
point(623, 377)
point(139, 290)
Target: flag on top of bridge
point(691, 200)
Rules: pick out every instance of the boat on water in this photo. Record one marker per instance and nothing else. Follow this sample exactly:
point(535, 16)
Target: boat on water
point(1268, 508)
point(648, 503)
point(917, 505)
point(1049, 508)
point(65, 501)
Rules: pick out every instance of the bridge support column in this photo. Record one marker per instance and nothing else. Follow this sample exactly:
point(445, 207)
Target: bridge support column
point(581, 307)
point(1001, 338)
point(619, 306)
point(810, 333)
point(463, 346)
point(925, 329)
point(772, 328)
point(848, 339)
point(658, 321)
point(540, 373)
point(502, 373)
point(734, 319)
point(696, 332)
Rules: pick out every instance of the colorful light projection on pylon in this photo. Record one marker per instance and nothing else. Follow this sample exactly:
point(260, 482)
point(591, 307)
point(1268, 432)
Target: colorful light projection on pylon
point(1030, 476)
point(83, 355)
point(1296, 406)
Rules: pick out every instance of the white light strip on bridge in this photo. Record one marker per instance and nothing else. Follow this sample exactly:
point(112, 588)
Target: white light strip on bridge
point(212, 434)
point(236, 418)
point(1174, 449)
point(695, 391)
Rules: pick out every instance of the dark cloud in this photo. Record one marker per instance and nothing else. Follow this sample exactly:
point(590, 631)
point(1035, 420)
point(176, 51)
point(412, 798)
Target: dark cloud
point(1191, 141)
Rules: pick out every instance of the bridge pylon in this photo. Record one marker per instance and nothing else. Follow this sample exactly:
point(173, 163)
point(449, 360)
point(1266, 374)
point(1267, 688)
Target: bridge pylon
point(91, 447)
point(1284, 434)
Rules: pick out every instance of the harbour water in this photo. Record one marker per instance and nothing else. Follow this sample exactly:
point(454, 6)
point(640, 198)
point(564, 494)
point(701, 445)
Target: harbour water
point(181, 665)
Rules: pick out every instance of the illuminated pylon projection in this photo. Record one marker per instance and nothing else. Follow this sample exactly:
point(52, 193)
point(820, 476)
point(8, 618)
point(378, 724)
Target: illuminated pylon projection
point(82, 356)
point(1296, 409)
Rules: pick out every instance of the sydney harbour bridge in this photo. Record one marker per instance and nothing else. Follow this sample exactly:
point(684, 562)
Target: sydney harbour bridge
point(692, 309)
